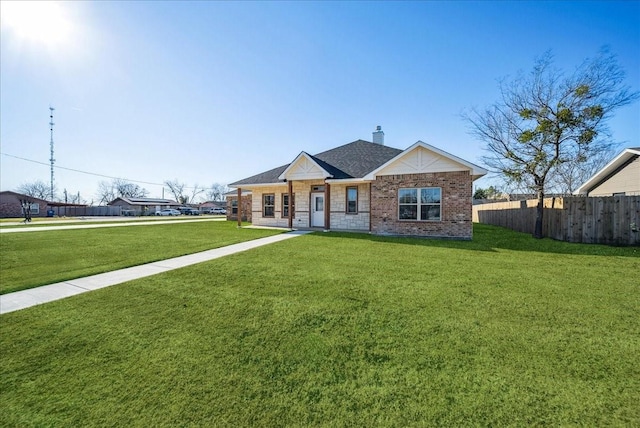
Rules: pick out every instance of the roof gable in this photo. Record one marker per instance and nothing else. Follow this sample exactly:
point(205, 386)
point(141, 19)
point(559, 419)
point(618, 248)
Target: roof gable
point(609, 169)
point(356, 159)
point(424, 158)
point(352, 160)
point(304, 167)
point(363, 160)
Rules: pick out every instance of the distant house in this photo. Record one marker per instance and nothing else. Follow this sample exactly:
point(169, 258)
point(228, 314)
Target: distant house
point(12, 203)
point(207, 206)
point(368, 187)
point(143, 206)
point(621, 176)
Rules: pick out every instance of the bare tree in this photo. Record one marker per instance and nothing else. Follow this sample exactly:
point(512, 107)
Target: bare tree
point(570, 175)
point(76, 199)
point(216, 192)
point(177, 190)
point(37, 189)
point(119, 188)
point(125, 189)
point(195, 191)
point(546, 119)
point(106, 192)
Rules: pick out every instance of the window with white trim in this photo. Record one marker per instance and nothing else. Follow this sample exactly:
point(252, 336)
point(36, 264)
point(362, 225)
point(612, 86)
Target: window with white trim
point(420, 204)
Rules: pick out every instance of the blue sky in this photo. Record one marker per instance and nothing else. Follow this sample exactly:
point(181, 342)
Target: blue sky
point(213, 92)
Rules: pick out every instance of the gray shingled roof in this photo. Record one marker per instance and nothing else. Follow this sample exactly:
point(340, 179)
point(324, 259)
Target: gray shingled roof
point(353, 160)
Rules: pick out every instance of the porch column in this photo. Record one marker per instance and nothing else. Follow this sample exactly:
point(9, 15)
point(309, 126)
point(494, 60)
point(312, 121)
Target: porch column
point(290, 203)
point(327, 206)
point(370, 205)
point(239, 207)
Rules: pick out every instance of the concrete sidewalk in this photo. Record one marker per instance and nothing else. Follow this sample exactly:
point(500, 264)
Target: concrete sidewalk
point(115, 223)
point(48, 293)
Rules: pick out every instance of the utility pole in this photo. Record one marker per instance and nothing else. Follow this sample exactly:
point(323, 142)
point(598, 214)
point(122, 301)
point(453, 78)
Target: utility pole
point(51, 159)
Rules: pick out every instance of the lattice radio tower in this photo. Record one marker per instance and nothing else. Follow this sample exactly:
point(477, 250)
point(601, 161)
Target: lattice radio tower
point(51, 159)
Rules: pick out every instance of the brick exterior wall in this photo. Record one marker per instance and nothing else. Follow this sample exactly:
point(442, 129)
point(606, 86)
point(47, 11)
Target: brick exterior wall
point(10, 206)
point(245, 208)
point(456, 214)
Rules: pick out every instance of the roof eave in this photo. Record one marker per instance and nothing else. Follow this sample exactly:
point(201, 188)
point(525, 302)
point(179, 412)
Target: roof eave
point(608, 169)
point(252, 185)
point(347, 180)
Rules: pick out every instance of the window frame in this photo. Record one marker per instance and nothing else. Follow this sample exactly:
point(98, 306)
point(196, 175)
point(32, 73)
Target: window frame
point(419, 205)
point(285, 206)
point(346, 205)
point(265, 205)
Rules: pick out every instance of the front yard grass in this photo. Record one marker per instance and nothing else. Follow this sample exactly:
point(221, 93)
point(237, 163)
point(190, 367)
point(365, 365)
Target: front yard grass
point(342, 330)
point(38, 258)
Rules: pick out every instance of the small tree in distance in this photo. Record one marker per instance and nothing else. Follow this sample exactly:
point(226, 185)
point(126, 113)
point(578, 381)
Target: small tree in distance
point(216, 192)
point(547, 119)
point(119, 188)
point(37, 189)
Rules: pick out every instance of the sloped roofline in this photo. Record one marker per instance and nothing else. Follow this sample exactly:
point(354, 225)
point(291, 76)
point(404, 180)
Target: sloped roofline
point(22, 195)
point(476, 171)
point(307, 156)
point(607, 170)
point(144, 201)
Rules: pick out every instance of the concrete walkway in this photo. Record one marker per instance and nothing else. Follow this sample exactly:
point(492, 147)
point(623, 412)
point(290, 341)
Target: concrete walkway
point(48, 293)
point(115, 223)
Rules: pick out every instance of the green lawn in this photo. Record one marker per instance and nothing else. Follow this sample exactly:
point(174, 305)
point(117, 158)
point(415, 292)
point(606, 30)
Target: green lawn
point(38, 258)
point(336, 329)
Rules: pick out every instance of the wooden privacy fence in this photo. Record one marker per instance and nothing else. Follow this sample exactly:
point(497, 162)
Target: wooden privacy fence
point(612, 220)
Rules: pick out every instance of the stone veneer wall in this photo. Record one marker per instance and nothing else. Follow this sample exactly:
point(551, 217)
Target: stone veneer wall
point(340, 220)
point(302, 195)
point(456, 220)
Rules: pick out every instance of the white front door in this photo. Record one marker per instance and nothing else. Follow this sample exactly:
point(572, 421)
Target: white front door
point(317, 210)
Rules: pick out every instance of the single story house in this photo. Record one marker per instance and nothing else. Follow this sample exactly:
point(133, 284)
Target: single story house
point(12, 205)
point(207, 206)
point(368, 187)
point(143, 206)
point(620, 177)
point(232, 205)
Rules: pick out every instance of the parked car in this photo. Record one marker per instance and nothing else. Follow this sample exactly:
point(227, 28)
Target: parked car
point(191, 211)
point(168, 211)
point(218, 211)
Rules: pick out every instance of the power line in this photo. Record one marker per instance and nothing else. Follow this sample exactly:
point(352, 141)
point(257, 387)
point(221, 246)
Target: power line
point(86, 172)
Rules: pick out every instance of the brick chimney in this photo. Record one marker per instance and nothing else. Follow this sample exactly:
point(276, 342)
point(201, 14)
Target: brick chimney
point(378, 135)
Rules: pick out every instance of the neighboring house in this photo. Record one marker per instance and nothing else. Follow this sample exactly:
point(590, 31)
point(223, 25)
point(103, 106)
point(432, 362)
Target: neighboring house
point(207, 206)
point(11, 205)
point(143, 206)
point(368, 187)
point(621, 176)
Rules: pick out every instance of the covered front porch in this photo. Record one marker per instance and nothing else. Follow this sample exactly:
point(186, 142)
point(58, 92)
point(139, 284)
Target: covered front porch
point(317, 204)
